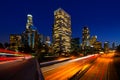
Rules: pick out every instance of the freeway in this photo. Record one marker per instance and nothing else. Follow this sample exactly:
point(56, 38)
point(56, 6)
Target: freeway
point(102, 69)
point(65, 70)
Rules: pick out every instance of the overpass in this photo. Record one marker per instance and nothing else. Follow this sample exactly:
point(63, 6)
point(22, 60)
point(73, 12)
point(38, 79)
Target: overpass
point(20, 68)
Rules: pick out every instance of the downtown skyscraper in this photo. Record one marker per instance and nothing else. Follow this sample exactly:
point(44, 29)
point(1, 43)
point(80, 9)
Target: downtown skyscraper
point(85, 37)
point(61, 32)
point(30, 35)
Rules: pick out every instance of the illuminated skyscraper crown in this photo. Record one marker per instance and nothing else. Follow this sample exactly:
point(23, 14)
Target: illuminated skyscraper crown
point(29, 21)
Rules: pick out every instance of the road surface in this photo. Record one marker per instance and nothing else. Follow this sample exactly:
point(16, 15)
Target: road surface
point(65, 70)
point(21, 70)
point(102, 69)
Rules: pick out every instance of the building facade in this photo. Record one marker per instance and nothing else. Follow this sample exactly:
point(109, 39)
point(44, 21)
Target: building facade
point(15, 41)
point(47, 41)
point(106, 47)
point(113, 46)
point(61, 31)
point(97, 46)
point(93, 40)
point(85, 37)
point(30, 36)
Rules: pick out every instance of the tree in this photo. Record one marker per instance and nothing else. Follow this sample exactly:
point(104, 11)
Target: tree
point(118, 49)
point(7, 45)
point(1, 46)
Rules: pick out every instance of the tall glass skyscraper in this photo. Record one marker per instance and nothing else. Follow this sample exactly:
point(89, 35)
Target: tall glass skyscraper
point(85, 37)
point(30, 35)
point(61, 31)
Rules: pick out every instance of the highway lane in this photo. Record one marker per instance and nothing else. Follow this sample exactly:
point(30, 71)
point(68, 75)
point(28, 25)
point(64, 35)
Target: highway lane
point(65, 70)
point(102, 69)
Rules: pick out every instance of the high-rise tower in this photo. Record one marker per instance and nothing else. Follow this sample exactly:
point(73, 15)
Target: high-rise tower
point(93, 40)
point(30, 35)
point(29, 21)
point(61, 31)
point(106, 47)
point(85, 37)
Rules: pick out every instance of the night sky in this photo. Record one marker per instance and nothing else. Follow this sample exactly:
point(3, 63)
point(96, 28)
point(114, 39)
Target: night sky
point(101, 16)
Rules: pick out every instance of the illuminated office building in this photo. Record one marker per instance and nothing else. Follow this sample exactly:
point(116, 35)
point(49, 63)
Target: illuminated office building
point(85, 37)
point(30, 36)
point(47, 41)
point(97, 45)
point(15, 41)
point(106, 46)
point(113, 45)
point(93, 40)
point(61, 31)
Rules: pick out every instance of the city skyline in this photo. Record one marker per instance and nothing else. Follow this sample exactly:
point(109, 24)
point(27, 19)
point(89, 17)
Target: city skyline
point(102, 17)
